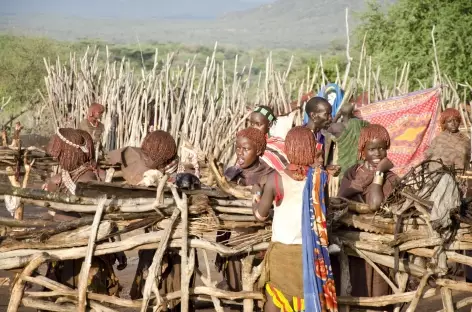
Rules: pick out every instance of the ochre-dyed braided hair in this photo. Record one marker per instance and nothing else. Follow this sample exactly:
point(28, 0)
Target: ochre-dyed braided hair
point(160, 148)
point(447, 114)
point(370, 133)
point(300, 146)
point(71, 157)
point(256, 136)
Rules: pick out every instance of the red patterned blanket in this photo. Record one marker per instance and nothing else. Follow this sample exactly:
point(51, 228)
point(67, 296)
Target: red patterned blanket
point(411, 121)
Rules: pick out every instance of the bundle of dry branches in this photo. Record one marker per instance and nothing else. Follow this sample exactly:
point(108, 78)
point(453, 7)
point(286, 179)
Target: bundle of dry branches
point(402, 237)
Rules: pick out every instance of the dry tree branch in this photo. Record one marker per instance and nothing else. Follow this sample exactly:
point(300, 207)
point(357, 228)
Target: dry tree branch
point(84, 272)
point(348, 56)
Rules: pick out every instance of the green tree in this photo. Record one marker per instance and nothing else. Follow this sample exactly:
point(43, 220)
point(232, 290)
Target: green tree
point(401, 33)
point(22, 69)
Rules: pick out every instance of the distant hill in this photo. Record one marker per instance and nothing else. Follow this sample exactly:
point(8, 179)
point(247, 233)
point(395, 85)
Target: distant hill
point(128, 9)
point(290, 24)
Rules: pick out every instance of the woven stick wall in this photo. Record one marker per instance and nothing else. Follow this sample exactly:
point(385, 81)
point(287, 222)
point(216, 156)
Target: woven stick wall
point(403, 236)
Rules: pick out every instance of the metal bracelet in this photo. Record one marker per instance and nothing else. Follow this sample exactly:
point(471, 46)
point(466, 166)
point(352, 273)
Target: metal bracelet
point(259, 217)
point(379, 180)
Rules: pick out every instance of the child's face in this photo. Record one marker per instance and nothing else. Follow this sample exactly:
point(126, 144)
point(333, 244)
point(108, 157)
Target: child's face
point(375, 151)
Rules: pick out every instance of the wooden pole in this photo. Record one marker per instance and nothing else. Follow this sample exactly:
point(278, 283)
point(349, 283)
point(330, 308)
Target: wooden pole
point(19, 286)
point(156, 266)
point(84, 272)
point(185, 277)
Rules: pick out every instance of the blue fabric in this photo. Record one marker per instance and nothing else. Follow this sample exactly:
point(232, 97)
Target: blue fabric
point(339, 96)
point(315, 246)
point(323, 93)
point(305, 118)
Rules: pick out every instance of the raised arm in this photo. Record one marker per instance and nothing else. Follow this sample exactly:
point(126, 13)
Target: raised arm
point(376, 196)
point(265, 196)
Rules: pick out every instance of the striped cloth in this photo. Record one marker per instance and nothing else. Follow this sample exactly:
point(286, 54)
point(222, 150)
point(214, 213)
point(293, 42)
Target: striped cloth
point(281, 302)
point(274, 154)
point(319, 292)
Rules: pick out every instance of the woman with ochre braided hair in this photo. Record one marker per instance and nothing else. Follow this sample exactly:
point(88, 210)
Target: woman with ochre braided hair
point(450, 146)
point(369, 182)
point(297, 273)
point(74, 151)
point(156, 156)
point(92, 123)
point(249, 170)
point(263, 118)
point(145, 166)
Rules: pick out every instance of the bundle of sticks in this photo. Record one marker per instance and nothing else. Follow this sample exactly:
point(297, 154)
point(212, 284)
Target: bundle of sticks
point(405, 236)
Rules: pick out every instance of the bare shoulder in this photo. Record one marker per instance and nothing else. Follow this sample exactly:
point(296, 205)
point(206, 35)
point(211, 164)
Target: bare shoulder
point(275, 183)
point(273, 178)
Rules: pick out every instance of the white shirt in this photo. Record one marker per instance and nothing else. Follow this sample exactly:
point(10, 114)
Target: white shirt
point(287, 222)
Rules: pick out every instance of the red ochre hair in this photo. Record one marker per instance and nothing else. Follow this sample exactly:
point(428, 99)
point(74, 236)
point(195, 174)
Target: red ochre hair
point(300, 146)
point(370, 133)
point(254, 135)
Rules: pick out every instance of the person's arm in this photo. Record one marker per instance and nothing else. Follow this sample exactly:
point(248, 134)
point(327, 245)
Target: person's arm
point(336, 128)
point(264, 197)
point(375, 196)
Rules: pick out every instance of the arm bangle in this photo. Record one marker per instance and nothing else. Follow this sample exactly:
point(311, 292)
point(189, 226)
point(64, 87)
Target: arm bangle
point(379, 180)
point(259, 217)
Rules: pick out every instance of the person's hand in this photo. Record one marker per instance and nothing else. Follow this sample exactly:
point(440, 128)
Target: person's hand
point(336, 128)
point(122, 261)
point(333, 170)
point(336, 203)
point(256, 193)
point(385, 165)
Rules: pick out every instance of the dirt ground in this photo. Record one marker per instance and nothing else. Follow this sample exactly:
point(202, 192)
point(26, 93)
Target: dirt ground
point(126, 276)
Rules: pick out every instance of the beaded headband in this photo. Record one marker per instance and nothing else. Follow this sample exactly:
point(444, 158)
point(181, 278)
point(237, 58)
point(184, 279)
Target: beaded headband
point(63, 139)
point(267, 114)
